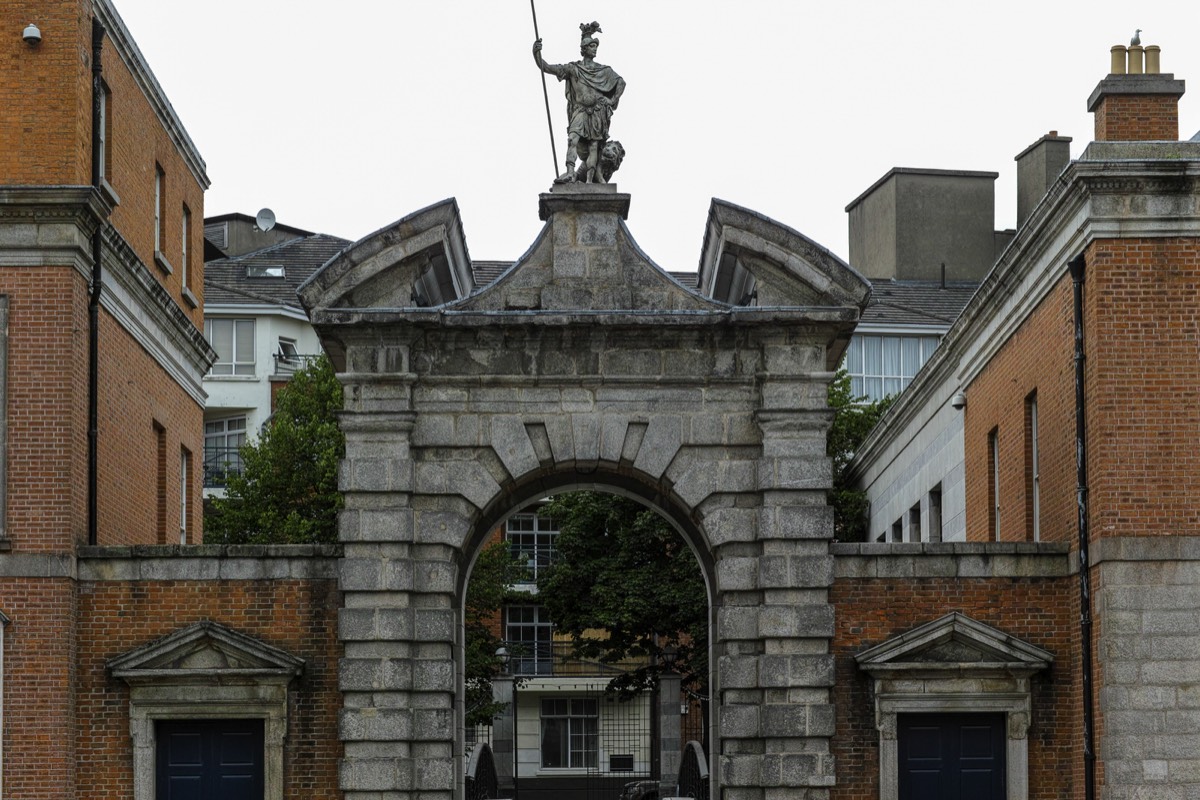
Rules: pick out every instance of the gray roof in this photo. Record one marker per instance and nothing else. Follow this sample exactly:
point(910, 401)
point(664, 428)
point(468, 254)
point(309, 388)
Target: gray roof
point(226, 280)
point(917, 302)
point(485, 272)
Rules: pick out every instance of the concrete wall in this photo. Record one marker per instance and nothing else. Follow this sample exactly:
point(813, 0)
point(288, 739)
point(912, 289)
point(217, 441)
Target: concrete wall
point(912, 221)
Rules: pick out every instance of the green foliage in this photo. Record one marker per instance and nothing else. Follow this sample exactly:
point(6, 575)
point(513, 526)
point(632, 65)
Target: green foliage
point(853, 419)
point(495, 571)
point(287, 492)
point(625, 586)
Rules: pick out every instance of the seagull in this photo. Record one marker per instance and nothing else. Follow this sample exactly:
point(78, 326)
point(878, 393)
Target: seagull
point(1137, 38)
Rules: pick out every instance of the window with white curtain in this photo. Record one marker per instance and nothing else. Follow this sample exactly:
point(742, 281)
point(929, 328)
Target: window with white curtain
point(233, 339)
point(884, 364)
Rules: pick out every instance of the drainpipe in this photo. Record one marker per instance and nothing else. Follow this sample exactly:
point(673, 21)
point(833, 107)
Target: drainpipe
point(3, 625)
point(94, 299)
point(1076, 266)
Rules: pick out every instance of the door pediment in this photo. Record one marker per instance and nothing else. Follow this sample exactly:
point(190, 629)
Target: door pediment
point(205, 651)
point(954, 642)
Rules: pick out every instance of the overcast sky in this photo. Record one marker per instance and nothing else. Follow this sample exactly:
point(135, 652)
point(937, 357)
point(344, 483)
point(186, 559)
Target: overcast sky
point(343, 117)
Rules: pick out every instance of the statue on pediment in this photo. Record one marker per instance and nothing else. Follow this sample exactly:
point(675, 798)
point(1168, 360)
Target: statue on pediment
point(593, 92)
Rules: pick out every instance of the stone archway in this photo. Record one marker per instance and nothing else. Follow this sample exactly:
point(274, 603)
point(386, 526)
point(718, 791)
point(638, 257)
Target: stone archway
point(584, 356)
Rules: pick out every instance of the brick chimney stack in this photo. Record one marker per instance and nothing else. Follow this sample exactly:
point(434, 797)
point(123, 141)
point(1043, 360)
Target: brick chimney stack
point(1136, 102)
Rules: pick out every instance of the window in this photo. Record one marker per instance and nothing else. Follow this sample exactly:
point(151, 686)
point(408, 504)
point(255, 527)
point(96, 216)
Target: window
point(994, 481)
point(570, 733)
point(898, 530)
point(159, 215)
point(287, 357)
point(914, 523)
point(105, 131)
point(160, 483)
point(233, 339)
point(185, 471)
point(1032, 478)
point(884, 365)
point(528, 632)
point(531, 539)
point(223, 440)
point(935, 513)
point(185, 273)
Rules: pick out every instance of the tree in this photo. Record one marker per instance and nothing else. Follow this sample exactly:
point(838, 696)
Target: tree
point(495, 572)
point(622, 571)
point(287, 492)
point(853, 419)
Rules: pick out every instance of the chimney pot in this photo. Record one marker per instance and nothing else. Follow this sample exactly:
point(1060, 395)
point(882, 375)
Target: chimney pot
point(1135, 59)
point(1118, 60)
point(1152, 61)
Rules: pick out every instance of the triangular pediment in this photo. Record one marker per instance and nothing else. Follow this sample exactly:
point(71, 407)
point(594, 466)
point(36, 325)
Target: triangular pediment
point(205, 649)
point(419, 261)
point(954, 642)
point(750, 258)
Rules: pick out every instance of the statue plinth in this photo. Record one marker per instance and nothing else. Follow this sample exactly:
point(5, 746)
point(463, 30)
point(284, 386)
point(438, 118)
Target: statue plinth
point(583, 197)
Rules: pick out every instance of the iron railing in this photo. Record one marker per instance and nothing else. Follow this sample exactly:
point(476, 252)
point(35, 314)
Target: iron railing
point(288, 364)
point(482, 781)
point(219, 464)
point(693, 772)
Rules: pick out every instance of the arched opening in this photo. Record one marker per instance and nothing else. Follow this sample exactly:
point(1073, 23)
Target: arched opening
point(597, 661)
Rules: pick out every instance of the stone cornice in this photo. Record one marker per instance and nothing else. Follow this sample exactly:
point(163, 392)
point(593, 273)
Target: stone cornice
point(129, 53)
point(147, 311)
point(47, 226)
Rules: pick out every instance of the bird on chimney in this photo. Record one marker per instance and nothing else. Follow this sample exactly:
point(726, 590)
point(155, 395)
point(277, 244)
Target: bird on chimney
point(1137, 38)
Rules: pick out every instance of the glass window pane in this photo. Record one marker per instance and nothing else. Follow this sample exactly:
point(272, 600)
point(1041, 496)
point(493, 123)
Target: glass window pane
point(872, 355)
point(854, 359)
point(221, 338)
point(910, 355)
point(891, 356)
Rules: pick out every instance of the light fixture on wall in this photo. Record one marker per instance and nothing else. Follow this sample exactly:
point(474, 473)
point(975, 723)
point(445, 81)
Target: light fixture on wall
point(959, 401)
point(32, 35)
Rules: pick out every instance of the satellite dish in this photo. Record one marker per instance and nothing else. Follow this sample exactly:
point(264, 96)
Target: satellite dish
point(265, 220)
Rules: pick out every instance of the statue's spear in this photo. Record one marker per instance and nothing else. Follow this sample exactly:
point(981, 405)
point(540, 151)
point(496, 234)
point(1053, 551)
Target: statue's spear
point(545, 96)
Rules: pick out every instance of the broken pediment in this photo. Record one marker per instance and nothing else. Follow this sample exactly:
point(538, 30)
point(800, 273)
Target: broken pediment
point(954, 642)
point(750, 259)
point(419, 261)
point(205, 650)
point(584, 269)
point(586, 260)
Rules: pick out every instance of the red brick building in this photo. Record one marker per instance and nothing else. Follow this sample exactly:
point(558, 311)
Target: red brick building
point(102, 354)
point(1081, 341)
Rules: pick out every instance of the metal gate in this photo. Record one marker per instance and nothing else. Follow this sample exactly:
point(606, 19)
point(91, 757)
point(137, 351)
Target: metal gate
point(627, 765)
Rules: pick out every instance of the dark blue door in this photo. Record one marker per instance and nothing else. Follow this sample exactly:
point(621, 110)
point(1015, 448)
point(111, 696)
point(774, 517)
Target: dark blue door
point(214, 759)
point(951, 756)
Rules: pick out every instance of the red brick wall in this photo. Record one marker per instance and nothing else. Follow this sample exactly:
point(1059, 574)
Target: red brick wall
point(1142, 317)
point(1043, 612)
point(299, 617)
point(46, 133)
point(1135, 118)
point(39, 679)
point(47, 407)
point(1039, 357)
point(45, 129)
point(137, 393)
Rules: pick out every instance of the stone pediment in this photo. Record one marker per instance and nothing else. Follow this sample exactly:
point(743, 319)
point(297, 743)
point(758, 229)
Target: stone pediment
point(419, 261)
point(954, 642)
point(585, 260)
point(750, 258)
point(205, 651)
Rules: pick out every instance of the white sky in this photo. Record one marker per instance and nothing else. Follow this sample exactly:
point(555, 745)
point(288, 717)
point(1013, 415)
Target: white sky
point(343, 117)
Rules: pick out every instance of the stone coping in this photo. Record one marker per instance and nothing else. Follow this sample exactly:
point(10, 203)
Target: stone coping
point(951, 560)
